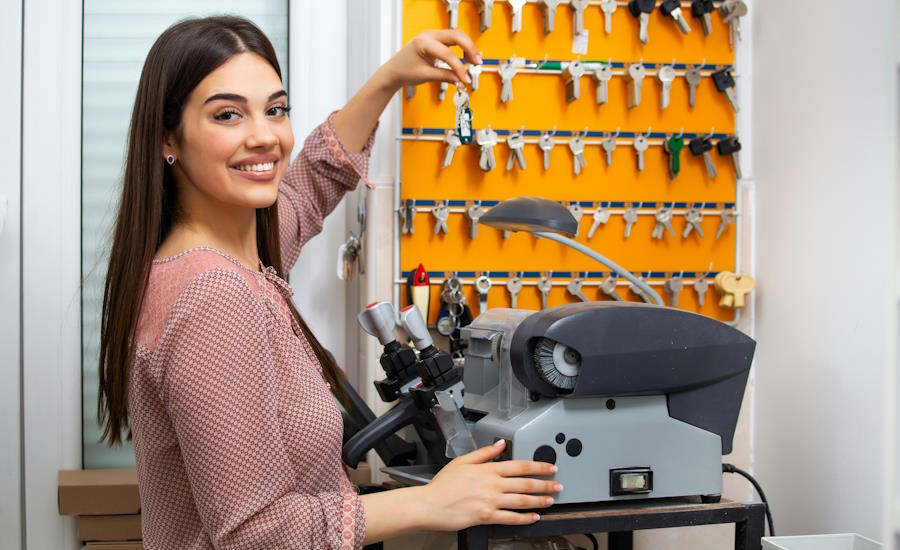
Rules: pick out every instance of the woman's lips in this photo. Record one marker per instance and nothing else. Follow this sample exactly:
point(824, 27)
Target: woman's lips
point(261, 176)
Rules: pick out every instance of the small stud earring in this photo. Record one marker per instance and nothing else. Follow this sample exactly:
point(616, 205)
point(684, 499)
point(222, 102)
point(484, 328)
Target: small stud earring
point(170, 159)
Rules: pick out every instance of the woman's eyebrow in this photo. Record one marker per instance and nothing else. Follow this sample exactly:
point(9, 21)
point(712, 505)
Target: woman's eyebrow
point(239, 98)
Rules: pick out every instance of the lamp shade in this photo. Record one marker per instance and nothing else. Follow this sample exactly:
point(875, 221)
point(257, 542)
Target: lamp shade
point(531, 214)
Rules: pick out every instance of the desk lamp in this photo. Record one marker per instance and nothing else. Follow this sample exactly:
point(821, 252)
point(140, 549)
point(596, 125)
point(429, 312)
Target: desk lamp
point(553, 221)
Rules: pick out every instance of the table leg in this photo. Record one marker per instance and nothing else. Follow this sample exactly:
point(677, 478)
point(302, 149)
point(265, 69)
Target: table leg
point(748, 533)
point(621, 540)
point(473, 538)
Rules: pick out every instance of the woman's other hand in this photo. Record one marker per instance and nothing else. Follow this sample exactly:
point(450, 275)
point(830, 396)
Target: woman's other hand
point(415, 63)
point(470, 490)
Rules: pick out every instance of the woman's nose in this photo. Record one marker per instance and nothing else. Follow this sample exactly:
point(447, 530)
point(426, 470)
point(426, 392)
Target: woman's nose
point(260, 134)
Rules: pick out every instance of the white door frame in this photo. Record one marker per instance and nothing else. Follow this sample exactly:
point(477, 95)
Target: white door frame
point(51, 260)
point(10, 280)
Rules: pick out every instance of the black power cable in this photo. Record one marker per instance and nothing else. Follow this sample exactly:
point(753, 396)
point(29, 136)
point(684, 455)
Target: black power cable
point(732, 469)
point(593, 540)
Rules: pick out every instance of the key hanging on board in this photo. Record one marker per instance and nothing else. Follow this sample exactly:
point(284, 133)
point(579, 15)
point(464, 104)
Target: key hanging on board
point(463, 122)
point(673, 146)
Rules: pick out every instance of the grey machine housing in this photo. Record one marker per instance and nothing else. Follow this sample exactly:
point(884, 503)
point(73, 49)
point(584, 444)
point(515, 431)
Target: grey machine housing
point(649, 408)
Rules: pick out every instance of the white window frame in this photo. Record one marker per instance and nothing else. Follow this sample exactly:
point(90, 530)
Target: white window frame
point(11, 501)
point(51, 260)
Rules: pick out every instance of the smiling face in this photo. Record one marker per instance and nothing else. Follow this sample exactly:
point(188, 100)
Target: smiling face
point(235, 140)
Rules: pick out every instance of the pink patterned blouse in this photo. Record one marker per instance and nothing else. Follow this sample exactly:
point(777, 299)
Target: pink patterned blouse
point(236, 434)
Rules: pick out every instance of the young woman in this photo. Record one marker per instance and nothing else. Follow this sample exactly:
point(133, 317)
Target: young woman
point(227, 393)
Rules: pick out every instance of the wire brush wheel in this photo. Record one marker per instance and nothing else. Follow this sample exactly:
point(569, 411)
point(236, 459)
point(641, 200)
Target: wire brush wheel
point(557, 363)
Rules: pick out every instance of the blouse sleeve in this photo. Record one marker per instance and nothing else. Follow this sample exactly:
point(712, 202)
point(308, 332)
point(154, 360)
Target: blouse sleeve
point(220, 390)
point(314, 185)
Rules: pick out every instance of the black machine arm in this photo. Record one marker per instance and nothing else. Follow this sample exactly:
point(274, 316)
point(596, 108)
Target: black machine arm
point(405, 413)
point(393, 450)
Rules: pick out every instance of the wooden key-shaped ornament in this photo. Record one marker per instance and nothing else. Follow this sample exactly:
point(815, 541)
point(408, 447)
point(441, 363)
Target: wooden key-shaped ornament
point(733, 288)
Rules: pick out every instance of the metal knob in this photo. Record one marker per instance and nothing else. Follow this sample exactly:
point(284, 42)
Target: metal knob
point(378, 320)
point(415, 327)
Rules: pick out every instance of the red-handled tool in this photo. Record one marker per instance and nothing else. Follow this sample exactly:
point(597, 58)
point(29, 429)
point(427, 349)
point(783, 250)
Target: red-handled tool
point(418, 291)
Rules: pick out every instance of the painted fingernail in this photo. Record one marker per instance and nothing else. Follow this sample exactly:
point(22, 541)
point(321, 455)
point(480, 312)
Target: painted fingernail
point(549, 501)
point(535, 517)
point(468, 79)
point(499, 442)
point(554, 469)
point(478, 59)
point(558, 487)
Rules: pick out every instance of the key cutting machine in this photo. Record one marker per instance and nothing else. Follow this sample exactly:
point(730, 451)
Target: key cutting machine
point(629, 400)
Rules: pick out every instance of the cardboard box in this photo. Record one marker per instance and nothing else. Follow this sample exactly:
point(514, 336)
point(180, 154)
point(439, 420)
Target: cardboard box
point(120, 545)
point(98, 492)
point(109, 528)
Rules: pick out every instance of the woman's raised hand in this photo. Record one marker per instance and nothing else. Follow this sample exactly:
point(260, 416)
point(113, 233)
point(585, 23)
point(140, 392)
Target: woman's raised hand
point(415, 63)
point(472, 491)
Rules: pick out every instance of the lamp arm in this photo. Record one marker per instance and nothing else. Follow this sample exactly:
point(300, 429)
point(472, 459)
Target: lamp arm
point(594, 255)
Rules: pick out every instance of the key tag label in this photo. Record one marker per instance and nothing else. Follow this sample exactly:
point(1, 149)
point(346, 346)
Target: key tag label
point(463, 117)
point(580, 43)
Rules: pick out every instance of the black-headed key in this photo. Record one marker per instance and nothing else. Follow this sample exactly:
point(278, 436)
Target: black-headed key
point(672, 8)
point(641, 10)
point(701, 9)
point(725, 83)
point(731, 146)
point(703, 146)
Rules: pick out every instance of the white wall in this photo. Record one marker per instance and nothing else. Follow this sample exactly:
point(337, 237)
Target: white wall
point(10, 280)
point(824, 104)
point(318, 86)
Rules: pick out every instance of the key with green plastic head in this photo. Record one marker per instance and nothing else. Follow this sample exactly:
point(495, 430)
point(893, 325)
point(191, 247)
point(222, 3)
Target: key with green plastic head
point(674, 145)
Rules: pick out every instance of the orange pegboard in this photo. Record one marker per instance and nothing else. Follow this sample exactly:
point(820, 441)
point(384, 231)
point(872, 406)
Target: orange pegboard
point(530, 298)
point(540, 104)
point(666, 41)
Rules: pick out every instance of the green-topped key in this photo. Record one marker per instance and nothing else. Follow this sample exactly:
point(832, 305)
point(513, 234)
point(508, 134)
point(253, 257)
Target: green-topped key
point(674, 145)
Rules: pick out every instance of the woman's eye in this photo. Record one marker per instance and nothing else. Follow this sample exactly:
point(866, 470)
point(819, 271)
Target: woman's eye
point(279, 110)
point(227, 116)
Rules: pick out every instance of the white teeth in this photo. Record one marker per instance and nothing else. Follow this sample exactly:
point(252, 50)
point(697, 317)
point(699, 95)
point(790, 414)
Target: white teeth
point(260, 167)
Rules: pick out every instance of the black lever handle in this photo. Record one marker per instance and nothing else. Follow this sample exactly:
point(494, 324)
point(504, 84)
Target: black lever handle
point(393, 450)
point(404, 414)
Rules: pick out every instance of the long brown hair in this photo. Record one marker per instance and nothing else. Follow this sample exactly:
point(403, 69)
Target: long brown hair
point(179, 59)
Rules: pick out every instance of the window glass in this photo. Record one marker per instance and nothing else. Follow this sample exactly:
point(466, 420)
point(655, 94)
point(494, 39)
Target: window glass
point(117, 36)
